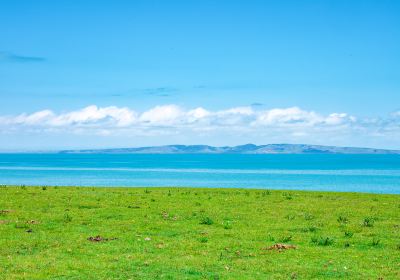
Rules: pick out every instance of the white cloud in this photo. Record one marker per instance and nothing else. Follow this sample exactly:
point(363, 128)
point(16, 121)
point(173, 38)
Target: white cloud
point(293, 116)
point(162, 115)
point(173, 119)
point(339, 118)
point(197, 114)
point(90, 116)
point(35, 118)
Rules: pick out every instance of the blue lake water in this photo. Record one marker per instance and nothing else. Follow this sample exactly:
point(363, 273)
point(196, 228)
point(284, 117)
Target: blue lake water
point(353, 173)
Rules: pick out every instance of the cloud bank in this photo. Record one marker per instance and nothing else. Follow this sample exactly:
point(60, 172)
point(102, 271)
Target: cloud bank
point(173, 119)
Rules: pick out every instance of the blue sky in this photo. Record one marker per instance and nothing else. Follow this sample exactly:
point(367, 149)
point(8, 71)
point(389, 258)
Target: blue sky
point(170, 58)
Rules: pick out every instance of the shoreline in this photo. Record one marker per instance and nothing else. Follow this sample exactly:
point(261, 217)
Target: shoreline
point(195, 188)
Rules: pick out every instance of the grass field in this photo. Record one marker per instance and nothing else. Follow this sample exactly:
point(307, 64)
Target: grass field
point(183, 233)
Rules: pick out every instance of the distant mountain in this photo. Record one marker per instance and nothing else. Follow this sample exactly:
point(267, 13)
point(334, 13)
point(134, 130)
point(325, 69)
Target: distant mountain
point(242, 149)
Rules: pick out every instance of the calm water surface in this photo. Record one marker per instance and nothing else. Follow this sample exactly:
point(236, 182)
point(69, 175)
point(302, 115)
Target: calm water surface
point(358, 173)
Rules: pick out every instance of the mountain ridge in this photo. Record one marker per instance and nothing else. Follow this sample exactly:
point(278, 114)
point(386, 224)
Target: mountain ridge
point(240, 149)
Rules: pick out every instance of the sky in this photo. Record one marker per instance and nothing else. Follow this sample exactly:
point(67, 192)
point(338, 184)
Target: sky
point(97, 74)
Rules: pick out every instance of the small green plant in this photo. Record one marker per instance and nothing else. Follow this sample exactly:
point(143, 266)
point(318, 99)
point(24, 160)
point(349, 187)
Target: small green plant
point(342, 219)
point(271, 238)
point(368, 222)
point(375, 241)
point(322, 241)
point(312, 228)
point(23, 187)
point(67, 218)
point(203, 239)
point(227, 225)
point(347, 244)
point(286, 238)
point(147, 191)
point(216, 277)
point(308, 216)
point(44, 188)
point(288, 196)
point(327, 241)
point(314, 239)
point(206, 221)
point(290, 217)
point(266, 192)
point(348, 233)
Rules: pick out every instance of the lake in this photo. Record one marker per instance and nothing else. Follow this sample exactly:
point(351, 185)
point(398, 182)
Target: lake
point(324, 172)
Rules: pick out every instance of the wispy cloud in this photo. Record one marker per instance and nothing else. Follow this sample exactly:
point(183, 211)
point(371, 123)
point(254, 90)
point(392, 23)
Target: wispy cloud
point(160, 91)
point(11, 57)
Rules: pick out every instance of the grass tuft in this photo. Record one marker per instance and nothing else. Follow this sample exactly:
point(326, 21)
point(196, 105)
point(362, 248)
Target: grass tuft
point(308, 216)
point(206, 221)
point(286, 238)
point(288, 196)
point(227, 225)
point(375, 242)
point(348, 233)
point(342, 219)
point(67, 218)
point(368, 222)
point(266, 192)
point(203, 239)
point(322, 241)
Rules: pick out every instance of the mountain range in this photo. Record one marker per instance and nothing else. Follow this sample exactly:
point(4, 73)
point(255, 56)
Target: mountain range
point(241, 149)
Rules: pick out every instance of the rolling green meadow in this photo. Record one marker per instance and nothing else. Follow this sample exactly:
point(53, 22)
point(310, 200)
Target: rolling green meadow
point(188, 233)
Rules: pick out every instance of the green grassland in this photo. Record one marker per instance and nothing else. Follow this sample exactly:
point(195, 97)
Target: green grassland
point(187, 233)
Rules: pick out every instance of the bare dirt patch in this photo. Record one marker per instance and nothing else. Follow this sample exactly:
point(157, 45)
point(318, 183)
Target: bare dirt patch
point(99, 238)
point(280, 247)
